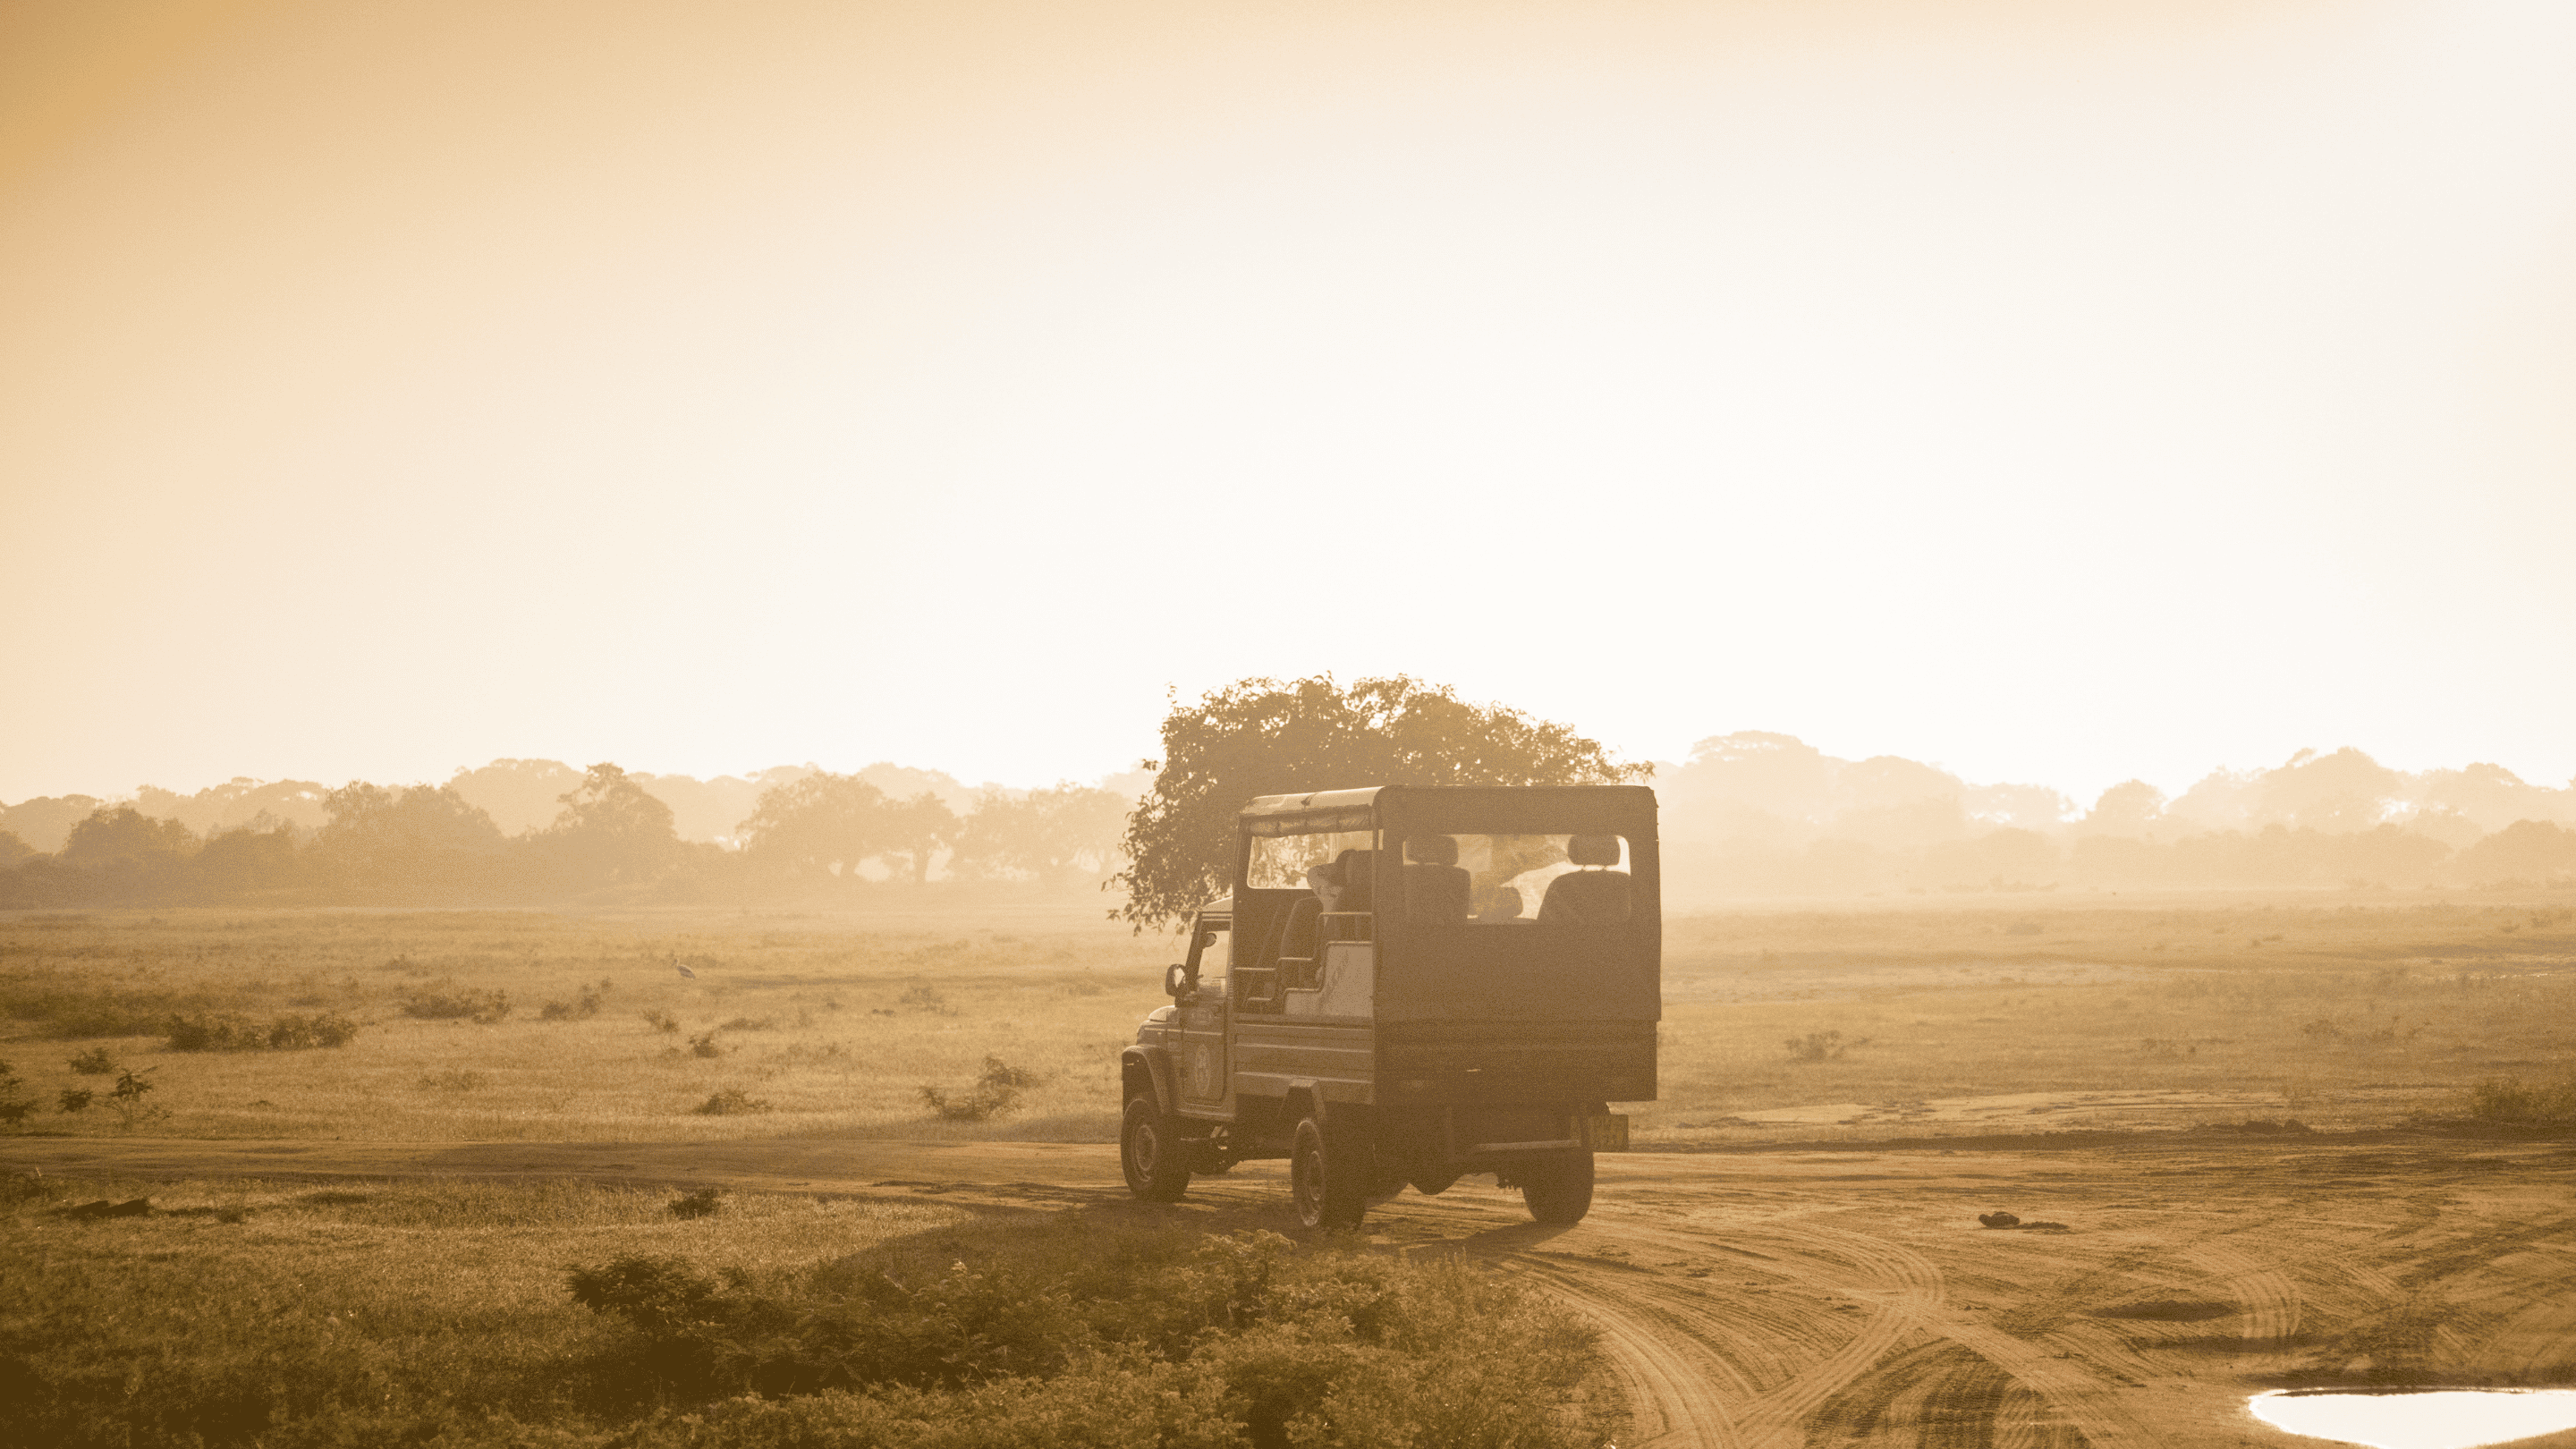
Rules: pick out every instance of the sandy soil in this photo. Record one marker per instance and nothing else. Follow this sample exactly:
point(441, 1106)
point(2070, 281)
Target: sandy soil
point(1844, 1296)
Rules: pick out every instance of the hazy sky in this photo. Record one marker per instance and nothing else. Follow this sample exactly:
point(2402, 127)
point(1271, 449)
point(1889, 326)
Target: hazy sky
point(2057, 391)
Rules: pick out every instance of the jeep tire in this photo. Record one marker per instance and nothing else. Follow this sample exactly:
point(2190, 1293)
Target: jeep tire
point(1151, 1151)
point(1326, 1180)
point(1558, 1189)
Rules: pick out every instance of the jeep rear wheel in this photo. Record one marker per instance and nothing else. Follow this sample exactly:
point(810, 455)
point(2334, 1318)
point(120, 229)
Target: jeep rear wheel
point(1326, 1185)
point(1558, 1189)
point(1151, 1152)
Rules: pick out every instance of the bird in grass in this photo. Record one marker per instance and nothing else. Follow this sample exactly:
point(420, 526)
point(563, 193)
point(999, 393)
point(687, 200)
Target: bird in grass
point(685, 971)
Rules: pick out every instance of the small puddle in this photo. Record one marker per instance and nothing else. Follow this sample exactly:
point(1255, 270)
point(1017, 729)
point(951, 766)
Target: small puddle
point(2418, 1418)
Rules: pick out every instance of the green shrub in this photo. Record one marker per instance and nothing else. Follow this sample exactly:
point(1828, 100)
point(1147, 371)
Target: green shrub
point(229, 1031)
point(293, 1033)
point(2511, 1099)
point(1075, 1331)
point(446, 1001)
point(582, 1007)
point(14, 1108)
point(702, 1203)
point(216, 1031)
point(996, 1091)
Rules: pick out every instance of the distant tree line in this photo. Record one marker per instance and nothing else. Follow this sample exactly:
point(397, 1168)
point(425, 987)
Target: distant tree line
point(818, 833)
point(1749, 815)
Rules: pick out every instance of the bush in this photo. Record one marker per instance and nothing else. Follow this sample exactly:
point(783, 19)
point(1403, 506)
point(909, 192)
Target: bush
point(126, 1098)
point(294, 1033)
point(731, 1102)
point(995, 1092)
point(227, 1031)
point(699, 1204)
point(446, 1001)
point(93, 1063)
point(582, 1007)
point(13, 1107)
point(999, 1073)
point(663, 1022)
point(2510, 1099)
point(76, 1099)
point(704, 1044)
point(1822, 1046)
point(1079, 1331)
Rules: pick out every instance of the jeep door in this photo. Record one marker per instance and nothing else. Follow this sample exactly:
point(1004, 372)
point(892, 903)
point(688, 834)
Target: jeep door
point(1199, 1068)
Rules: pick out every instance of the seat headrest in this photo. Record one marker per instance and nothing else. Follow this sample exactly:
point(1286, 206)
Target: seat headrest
point(1431, 850)
point(1592, 849)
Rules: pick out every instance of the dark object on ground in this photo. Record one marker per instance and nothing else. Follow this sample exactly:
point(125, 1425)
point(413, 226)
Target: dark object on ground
point(1999, 1220)
point(102, 1208)
point(699, 1204)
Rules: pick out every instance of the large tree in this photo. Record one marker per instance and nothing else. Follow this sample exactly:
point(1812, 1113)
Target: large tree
point(1266, 737)
point(1049, 835)
point(818, 826)
point(610, 828)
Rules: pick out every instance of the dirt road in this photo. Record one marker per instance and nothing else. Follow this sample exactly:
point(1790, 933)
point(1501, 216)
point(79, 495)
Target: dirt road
point(1843, 1297)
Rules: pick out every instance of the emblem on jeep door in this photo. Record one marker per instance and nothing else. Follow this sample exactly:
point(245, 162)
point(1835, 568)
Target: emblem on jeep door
point(1202, 1070)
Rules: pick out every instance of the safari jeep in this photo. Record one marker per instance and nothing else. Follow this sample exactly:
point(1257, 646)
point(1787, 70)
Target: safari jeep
point(1407, 986)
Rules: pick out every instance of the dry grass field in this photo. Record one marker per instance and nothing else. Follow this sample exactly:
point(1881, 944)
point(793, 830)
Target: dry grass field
point(369, 1242)
point(1859, 1022)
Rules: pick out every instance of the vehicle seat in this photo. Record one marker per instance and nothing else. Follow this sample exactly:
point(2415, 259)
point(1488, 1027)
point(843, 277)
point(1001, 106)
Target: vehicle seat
point(1434, 886)
point(1297, 933)
point(1357, 871)
point(1591, 896)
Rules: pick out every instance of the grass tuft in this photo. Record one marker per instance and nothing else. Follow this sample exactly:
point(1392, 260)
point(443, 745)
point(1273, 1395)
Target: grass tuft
point(732, 1102)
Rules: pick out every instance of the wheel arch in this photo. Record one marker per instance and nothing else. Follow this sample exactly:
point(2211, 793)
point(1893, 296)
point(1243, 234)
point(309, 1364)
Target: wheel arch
point(1148, 1070)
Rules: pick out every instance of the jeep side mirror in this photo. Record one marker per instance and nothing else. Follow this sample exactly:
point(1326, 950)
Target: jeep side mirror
point(1177, 981)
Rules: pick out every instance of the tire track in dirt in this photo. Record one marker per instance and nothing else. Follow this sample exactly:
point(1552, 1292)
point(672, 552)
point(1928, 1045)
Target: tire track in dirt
point(1670, 1401)
point(2265, 1296)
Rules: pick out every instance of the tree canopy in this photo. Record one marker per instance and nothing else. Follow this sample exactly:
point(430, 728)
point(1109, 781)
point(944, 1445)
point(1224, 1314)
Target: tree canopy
point(1268, 737)
point(819, 826)
point(1046, 835)
point(611, 828)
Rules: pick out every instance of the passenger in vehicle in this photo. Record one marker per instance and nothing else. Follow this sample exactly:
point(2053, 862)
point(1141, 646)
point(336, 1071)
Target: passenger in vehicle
point(1505, 905)
point(1593, 895)
point(1326, 881)
point(1435, 888)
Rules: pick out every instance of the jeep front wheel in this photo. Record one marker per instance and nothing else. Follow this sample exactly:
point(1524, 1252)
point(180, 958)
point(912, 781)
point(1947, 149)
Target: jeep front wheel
point(1151, 1152)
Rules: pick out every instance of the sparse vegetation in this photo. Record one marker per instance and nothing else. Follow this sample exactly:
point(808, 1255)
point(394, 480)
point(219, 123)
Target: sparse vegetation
point(700, 1204)
point(126, 1099)
point(15, 1106)
point(2511, 1099)
point(1160, 1336)
point(704, 1044)
point(446, 1001)
point(94, 1063)
point(872, 1322)
point(226, 1031)
point(995, 1092)
point(584, 1005)
point(732, 1102)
